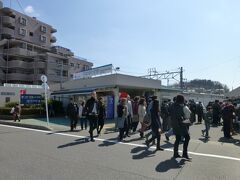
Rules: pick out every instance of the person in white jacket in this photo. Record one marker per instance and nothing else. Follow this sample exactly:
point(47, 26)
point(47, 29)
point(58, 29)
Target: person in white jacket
point(141, 114)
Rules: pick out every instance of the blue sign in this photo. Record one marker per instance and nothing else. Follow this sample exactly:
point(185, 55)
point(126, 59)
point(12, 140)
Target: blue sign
point(110, 107)
point(30, 99)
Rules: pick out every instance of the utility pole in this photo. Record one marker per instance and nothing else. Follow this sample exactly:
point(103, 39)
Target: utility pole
point(181, 77)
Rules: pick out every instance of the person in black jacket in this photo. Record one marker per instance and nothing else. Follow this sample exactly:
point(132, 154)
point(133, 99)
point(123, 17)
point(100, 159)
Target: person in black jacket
point(92, 113)
point(180, 128)
point(101, 115)
point(72, 113)
point(155, 124)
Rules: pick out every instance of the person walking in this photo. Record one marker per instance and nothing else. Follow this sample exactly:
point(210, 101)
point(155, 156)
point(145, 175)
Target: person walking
point(72, 113)
point(135, 118)
point(16, 112)
point(208, 117)
point(193, 108)
point(216, 113)
point(155, 125)
point(141, 115)
point(227, 115)
point(165, 115)
point(82, 115)
point(122, 112)
point(129, 116)
point(101, 115)
point(200, 112)
point(92, 113)
point(180, 124)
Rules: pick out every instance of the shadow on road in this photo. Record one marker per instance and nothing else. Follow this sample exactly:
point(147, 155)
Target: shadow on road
point(64, 131)
point(143, 153)
point(167, 145)
point(77, 142)
point(170, 164)
point(132, 140)
point(109, 142)
point(110, 131)
point(205, 140)
point(230, 141)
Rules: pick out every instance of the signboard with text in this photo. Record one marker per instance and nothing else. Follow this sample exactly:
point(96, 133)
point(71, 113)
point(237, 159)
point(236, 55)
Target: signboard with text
point(30, 99)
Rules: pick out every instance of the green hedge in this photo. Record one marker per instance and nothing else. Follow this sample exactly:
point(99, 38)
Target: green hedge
point(24, 111)
point(11, 104)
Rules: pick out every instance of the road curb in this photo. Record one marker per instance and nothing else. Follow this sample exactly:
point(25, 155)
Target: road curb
point(19, 124)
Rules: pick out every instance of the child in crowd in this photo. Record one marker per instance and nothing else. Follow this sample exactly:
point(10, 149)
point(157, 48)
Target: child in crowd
point(207, 120)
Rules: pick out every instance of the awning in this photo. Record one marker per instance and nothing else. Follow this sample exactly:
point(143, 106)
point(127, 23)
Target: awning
point(73, 92)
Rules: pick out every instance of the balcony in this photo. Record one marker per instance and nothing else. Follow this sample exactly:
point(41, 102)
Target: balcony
point(19, 77)
point(2, 75)
point(53, 39)
point(53, 30)
point(56, 78)
point(2, 63)
point(9, 12)
point(20, 52)
point(8, 21)
point(25, 65)
point(7, 32)
point(58, 66)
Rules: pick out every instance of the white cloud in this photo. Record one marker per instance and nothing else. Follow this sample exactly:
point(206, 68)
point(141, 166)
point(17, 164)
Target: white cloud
point(29, 10)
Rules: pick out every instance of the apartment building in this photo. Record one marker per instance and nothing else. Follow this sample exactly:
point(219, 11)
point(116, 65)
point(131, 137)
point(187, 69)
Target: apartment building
point(27, 51)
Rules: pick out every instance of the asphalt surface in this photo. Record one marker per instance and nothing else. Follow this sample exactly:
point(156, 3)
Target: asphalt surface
point(34, 154)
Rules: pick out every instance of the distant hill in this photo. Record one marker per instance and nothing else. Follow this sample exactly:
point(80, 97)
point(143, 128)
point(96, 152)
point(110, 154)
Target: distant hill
point(208, 85)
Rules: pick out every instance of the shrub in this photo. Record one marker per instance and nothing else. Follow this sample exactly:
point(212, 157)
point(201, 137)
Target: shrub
point(24, 111)
point(11, 104)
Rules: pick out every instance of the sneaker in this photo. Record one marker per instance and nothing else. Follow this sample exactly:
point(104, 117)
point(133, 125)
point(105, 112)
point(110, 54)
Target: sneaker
point(92, 140)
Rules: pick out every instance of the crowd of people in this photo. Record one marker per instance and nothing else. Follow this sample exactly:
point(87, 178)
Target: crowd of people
point(170, 118)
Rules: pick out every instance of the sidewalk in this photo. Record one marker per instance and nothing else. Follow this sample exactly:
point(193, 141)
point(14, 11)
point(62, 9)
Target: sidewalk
point(55, 124)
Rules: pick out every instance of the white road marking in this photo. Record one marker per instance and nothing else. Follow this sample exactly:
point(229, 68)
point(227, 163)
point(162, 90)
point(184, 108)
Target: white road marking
point(129, 144)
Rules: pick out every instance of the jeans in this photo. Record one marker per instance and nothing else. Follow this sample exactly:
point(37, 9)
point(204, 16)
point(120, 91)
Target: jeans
point(185, 145)
point(207, 128)
point(83, 122)
point(93, 124)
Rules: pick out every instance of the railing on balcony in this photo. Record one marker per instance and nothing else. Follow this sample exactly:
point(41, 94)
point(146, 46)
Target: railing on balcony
point(8, 21)
point(20, 51)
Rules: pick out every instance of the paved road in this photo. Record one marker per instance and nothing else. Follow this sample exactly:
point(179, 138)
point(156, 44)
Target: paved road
point(31, 154)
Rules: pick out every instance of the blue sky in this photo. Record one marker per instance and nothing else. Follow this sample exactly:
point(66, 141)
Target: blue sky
point(203, 36)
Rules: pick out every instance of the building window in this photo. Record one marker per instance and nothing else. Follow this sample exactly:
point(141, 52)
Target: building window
point(65, 73)
point(85, 67)
point(23, 21)
point(58, 72)
point(29, 47)
point(7, 99)
point(43, 38)
point(22, 31)
point(43, 29)
point(72, 64)
point(78, 66)
point(30, 33)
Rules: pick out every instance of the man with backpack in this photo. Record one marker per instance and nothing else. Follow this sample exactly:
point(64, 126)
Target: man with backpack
point(180, 120)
